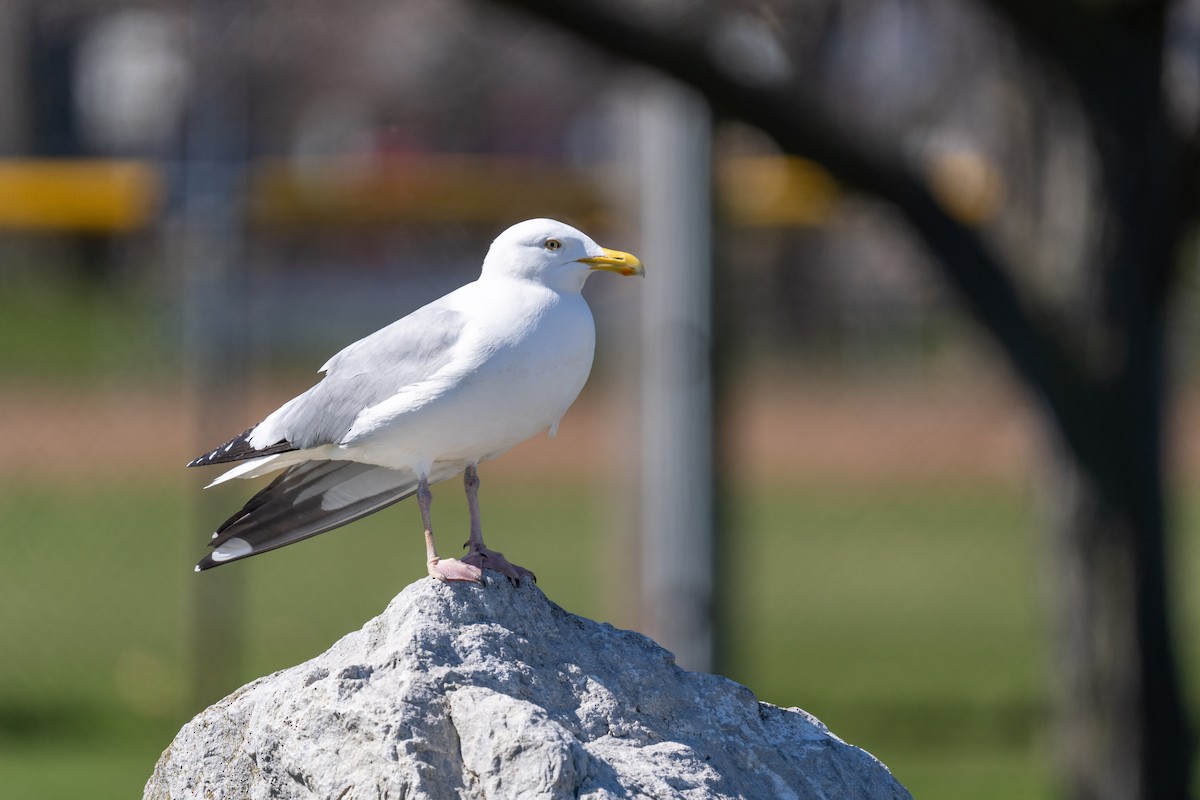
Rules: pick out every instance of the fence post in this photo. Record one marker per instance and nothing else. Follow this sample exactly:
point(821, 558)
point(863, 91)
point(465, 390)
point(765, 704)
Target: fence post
point(213, 328)
point(677, 505)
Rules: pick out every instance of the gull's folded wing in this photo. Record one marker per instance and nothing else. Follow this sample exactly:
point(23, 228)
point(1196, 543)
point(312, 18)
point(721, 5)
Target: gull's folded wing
point(362, 375)
point(307, 499)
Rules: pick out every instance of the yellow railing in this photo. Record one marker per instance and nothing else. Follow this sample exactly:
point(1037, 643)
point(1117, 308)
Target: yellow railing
point(117, 196)
point(79, 195)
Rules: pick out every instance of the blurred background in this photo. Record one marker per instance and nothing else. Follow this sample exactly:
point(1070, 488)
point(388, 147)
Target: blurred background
point(201, 202)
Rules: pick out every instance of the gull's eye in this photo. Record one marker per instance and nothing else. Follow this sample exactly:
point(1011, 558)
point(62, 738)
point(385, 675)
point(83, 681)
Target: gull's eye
point(552, 244)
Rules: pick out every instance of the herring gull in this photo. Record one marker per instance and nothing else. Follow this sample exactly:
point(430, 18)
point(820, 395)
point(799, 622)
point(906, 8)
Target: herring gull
point(452, 384)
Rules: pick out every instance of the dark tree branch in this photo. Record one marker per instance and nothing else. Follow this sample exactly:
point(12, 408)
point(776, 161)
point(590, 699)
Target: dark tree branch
point(1124, 710)
point(1112, 54)
point(785, 112)
point(1076, 35)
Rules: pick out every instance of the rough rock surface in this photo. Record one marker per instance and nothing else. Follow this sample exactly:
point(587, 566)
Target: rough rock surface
point(457, 691)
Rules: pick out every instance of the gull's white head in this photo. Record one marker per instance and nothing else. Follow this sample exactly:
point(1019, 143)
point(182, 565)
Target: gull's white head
point(554, 254)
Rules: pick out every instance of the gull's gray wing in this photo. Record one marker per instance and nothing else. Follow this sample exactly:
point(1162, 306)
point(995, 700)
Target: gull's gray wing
point(307, 499)
point(360, 376)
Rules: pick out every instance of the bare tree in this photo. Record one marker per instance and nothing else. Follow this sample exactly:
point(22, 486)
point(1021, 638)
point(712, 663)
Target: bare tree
point(1101, 378)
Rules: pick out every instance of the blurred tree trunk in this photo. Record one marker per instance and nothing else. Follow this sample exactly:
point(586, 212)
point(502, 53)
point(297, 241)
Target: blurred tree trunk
point(1099, 368)
point(1122, 726)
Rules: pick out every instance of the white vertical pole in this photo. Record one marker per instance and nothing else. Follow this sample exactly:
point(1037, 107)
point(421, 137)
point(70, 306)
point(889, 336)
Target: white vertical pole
point(675, 155)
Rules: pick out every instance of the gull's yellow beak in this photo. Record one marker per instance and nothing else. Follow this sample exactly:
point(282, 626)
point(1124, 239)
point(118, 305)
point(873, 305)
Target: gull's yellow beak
point(616, 261)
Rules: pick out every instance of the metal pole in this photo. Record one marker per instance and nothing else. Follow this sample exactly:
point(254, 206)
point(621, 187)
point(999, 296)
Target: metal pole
point(675, 173)
point(214, 335)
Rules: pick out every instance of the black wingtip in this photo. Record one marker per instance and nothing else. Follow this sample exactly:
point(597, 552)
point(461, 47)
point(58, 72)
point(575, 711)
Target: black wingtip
point(239, 449)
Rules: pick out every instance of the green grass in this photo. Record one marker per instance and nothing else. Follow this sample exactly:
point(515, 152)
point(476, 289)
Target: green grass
point(906, 620)
point(81, 752)
point(60, 331)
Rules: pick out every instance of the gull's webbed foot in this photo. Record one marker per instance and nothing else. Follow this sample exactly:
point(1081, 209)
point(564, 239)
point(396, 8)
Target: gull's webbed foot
point(483, 558)
point(451, 569)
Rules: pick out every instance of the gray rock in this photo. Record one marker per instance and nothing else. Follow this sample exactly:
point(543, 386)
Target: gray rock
point(458, 691)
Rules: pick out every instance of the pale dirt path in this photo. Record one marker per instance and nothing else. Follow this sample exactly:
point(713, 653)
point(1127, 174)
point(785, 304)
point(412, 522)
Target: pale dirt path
point(868, 432)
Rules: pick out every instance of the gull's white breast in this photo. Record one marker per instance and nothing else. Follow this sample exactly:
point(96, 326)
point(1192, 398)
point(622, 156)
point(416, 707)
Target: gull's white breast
point(524, 356)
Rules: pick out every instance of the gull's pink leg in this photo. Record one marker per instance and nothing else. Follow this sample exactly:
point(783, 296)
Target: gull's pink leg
point(444, 569)
point(478, 555)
